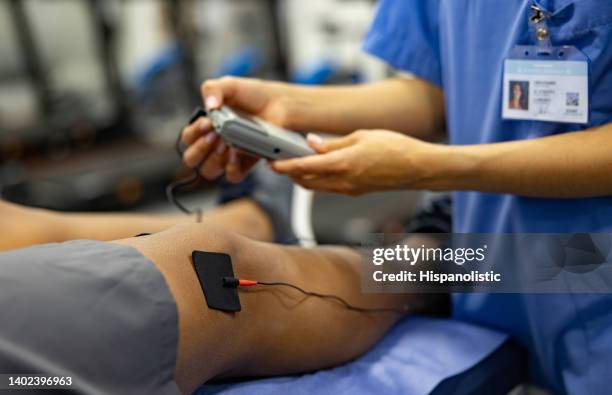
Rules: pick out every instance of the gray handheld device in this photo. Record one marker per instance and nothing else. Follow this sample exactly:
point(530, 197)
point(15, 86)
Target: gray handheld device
point(258, 137)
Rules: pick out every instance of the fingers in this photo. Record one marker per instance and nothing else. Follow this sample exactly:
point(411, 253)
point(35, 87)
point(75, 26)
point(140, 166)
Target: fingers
point(199, 150)
point(325, 164)
point(219, 91)
point(215, 162)
point(324, 146)
point(214, 157)
point(193, 132)
point(238, 166)
point(315, 141)
point(233, 169)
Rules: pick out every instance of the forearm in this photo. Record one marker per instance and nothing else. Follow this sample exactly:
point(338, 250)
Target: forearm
point(569, 165)
point(411, 106)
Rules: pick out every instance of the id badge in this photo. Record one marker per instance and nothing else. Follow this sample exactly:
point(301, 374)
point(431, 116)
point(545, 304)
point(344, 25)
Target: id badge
point(553, 86)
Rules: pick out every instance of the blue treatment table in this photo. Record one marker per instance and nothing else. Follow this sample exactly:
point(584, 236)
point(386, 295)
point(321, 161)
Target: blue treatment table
point(418, 356)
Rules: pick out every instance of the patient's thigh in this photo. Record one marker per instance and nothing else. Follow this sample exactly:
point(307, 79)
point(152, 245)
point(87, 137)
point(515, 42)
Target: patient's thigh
point(279, 331)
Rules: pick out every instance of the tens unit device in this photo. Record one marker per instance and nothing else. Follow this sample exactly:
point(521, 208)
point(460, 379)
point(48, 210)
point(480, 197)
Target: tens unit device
point(247, 133)
point(257, 137)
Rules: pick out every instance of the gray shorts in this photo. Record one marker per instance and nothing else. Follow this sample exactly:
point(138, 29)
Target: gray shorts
point(99, 313)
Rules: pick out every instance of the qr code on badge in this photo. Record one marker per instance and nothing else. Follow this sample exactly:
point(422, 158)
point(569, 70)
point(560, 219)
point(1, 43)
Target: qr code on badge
point(572, 99)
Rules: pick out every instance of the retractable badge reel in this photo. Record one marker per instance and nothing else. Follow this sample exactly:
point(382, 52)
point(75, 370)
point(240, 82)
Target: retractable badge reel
point(544, 82)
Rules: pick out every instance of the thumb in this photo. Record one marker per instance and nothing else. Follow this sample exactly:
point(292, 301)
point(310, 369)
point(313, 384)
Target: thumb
point(324, 146)
point(217, 92)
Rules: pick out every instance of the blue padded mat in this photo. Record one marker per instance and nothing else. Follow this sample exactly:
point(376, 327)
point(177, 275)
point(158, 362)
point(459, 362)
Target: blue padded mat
point(413, 358)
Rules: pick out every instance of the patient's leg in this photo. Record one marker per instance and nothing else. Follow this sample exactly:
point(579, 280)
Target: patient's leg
point(278, 331)
point(242, 216)
point(24, 226)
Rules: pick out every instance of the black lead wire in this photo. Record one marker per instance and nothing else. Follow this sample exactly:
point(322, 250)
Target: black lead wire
point(338, 299)
point(177, 186)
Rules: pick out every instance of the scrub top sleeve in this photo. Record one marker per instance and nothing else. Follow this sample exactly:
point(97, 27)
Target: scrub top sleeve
point(405, 34)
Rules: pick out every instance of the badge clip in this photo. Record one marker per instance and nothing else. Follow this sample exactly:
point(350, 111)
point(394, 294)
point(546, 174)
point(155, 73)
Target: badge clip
point(539, 23)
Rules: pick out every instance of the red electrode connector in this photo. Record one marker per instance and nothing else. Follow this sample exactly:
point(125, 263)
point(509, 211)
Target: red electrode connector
point(232, 282)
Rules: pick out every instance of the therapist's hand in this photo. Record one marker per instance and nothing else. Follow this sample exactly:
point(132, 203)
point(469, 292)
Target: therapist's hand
point(267, 100)
point(364, 161)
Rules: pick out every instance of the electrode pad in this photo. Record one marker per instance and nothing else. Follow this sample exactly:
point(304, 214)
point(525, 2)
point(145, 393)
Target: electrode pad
point(211, 268)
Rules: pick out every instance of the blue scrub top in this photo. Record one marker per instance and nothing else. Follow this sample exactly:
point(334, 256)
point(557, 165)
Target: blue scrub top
point(460, 46)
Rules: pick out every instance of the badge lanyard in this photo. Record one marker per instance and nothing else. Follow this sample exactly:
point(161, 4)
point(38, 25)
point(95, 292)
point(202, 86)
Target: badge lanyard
point(544, 82)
